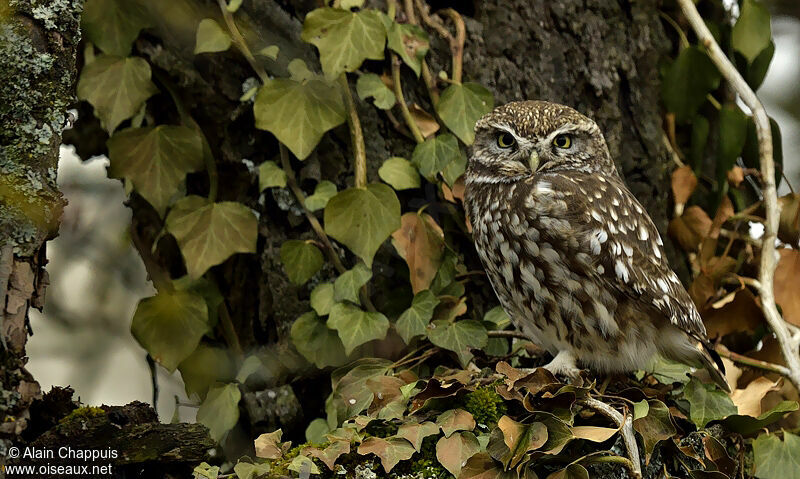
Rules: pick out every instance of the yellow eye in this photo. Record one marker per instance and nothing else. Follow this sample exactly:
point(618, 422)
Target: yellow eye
point(562, 141)
point(505, 140)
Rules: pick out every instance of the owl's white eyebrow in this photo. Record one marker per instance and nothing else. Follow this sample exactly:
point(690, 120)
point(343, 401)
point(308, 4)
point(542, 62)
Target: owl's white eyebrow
point(509, 130)
point(569, 127)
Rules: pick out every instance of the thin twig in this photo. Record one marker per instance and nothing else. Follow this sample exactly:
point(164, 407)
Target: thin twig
point(766, 269)
point(229, 332)
point(751, 362)
point(291, 181)
point(625, 424)
point(507, 334)
point(356, 134)
point(742, 237)
point(240, 42)
point(398, 92)
point(427, 76)
point(457, 46)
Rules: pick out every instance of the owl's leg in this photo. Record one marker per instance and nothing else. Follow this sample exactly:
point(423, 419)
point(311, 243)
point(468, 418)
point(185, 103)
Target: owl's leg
point(563, 364)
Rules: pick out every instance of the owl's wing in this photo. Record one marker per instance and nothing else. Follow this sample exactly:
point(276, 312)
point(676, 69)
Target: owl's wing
point(626, 246)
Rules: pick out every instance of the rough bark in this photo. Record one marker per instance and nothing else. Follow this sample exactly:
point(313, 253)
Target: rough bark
point(38, 45)
point(598, 56)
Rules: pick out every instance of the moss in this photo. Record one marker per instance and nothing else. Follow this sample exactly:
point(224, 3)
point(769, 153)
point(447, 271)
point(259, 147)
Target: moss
point(381, 428)
point(82, 413)
point(485, 405)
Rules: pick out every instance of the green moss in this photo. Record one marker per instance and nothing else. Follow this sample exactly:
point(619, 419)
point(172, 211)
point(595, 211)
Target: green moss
point(82, 413)
point(485, 405)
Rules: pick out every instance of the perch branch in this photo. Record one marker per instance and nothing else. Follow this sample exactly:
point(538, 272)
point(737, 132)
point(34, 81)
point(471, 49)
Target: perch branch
point(241, 44)
point(398, 92)
point(625, 424)
point(301, 198)
point(507, 334)
point(766, 269)
point(356, 134)
point(751, 362)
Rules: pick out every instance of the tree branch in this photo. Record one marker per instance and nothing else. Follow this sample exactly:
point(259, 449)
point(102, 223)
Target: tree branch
point(356, 134)
point(766, 269)
point(625, 424)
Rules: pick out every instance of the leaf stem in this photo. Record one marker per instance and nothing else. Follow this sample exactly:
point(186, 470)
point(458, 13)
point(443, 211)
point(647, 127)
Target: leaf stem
point(301, 198)
point(398, 92)
point(356, 134)
point(230, 332)
point(507, 334)
point(158, 275)
point(457, 45)
point(240, 42)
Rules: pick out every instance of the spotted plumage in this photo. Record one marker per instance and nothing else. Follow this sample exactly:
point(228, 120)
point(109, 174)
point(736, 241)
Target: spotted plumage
point(572, 255)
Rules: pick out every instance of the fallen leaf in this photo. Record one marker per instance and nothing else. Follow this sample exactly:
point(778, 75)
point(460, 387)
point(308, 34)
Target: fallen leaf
point(743, 314)
point(269, 445)
point(789, 226)
point(454, 451)
point(684, 182)
point(420, 241)
point(594, 433)
point(748, 400)
point(735, 176)
point(426, 123)
point(787, 284)
point(690, 228)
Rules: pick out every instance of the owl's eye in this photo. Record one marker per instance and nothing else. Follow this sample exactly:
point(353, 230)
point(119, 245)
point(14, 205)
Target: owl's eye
point(562, 141)
point(505, 140)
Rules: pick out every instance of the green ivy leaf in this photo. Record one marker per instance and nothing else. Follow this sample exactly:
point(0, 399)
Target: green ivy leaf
point(458, 337)
point(156, 160)
point(498, 317)
point(301, 260)
point(654, 425)
point(519, 439)
point(316, 342)
point(245, 470)
point(399, 173)
point(209, 233)
point(169, 326)
point(270, 52)
point(390, 451)
point(454, 169)
point(415, 433)
point(460, 106)
point(347, 285)
point(204, 367)
point(233, 5)
point(756, 71)
point(220, 411)
point(707, 403)
point(316, 431)
point(113, 25)
point(205, 470)
point(323, 192)
point(700, 130)
point(322, 298)
point(746, 425)
point(415, 319)
point(298, 113)
point(410, 42)
point(687, 82)
point(356, 326)
point(363, 218)
point(116, 87)
point(270, 175)
point(572, 471)
point(435, 154)
point(369, 85)
point(732, 136)
point(205, 288)
point(752, 32)
point(776, 459)
point(344, 39)
point(302, 465)
point(454, 451)
point(210, 37)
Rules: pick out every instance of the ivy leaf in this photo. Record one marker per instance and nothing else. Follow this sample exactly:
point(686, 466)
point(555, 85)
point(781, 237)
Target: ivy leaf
point(233, 5)
point(435, 154)
point(220, 411)
point(707, 403)
point(776, 459)
point(752, 32)
point(454, 451)
point(415, 433)
point(322, 298)
point(113, 25)
point(572, 471)
point(205, 288)
point(687, 82)
point(316, 342)
point(316, 431)
point(498, 317)
point(520, 439)
point(654, 425)
point(746, 425)
point(732, 136)
point(116, 87)
point(298, 113)
point(245, 470)
point(156, 160)
point(269, 445)
point(211, 37)
point(410, 42)
point(205, 366)
point(303, 465)
point(270, 175)
point(370, 85)
point(482, 466)
point(347, 285)
point(458, 337)
point(356, 326)
point(301, 259)
point(323, 192)
point(415, 319)
point(169, 326)
point(461, 106)
point(420, 242)
point(270, 52)
point(209, 233)
point(399, 173)
point(344, 39)
point(757, 70)
point(455, 420)
point(390, 451)
point(362, 218)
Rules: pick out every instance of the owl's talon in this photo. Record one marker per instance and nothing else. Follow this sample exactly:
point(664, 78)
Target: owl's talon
point(564, 365)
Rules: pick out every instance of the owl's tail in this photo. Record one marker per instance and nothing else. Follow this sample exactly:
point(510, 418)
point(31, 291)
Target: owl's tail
point(713, 364)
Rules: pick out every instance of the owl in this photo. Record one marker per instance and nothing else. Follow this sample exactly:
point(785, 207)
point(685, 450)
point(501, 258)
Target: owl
point(573, 257)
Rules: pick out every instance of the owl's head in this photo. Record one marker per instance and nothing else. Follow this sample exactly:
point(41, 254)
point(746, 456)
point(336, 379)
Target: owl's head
point(522, 138)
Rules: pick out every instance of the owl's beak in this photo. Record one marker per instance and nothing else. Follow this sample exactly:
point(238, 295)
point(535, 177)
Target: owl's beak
point(533, 161)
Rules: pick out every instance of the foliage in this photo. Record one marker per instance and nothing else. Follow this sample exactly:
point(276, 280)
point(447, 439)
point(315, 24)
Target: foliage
point(446, 400)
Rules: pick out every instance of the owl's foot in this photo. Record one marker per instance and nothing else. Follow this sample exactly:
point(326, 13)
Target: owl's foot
point(563, 365)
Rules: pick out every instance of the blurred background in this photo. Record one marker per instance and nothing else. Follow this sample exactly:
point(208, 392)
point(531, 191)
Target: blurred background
point(83, 338)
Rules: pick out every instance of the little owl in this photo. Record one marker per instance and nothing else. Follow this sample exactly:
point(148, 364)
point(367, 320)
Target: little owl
point(573, 257)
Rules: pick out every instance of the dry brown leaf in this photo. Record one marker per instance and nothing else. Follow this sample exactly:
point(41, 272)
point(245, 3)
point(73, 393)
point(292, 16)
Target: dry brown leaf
point(789, 226)
point(690, 228)
point(594, 433)
point(787, 285)
point(329, 455)
point(735, 176)
point(455, 194)
point(269, 446)
point(702, 290)
point(425, 121)
point(683, 184)
point(741, 314)
point(748, 400)
point(420, 241)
